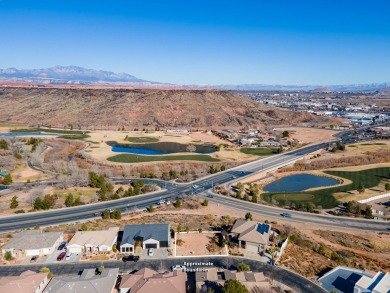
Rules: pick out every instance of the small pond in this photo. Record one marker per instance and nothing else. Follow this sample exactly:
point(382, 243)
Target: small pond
point(299, 182)
point(17, 134)
point(159, 148)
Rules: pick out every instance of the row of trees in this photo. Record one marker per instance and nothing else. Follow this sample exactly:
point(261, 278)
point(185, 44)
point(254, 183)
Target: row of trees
point(253, 192)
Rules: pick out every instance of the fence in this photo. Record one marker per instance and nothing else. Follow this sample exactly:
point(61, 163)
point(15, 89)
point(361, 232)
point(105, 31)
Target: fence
point(374, 198)
point(282, 248)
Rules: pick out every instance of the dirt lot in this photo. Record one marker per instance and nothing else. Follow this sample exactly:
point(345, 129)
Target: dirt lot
point(196, 244)
point(310, 135)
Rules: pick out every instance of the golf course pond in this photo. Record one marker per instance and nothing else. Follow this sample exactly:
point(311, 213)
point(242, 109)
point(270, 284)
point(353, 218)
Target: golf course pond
point(160, 148)
point(21, 134)
point(299, 182)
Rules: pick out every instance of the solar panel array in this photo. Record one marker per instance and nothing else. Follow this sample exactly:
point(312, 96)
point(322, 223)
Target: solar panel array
point(262, 228)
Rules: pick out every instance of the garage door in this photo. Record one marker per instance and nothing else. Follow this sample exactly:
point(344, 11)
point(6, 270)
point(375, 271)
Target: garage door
point(74, 249)
point(32, 252)
point(252, 248)
point(151, 245)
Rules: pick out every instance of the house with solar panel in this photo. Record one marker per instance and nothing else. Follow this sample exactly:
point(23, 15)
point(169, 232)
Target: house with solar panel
point(251, 235)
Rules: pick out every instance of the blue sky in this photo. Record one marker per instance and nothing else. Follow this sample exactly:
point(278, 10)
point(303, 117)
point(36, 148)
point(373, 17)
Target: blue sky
point(204, 42)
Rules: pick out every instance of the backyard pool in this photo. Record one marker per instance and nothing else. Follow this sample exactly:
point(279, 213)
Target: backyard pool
point(299, 182)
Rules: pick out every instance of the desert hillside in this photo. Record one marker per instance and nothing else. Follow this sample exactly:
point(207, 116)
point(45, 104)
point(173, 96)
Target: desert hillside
point(141, 108)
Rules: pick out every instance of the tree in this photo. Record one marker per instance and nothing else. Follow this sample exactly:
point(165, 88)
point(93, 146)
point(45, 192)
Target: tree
point(205, 203)
point(100, 269)
point(14, 202)
point(84, 227)
point(114, 249)
point(116, 214)
point(387, 186)
point(151, 209)
point(223, 168)
point(285, 134)
point(38, 203)
point(177, 203)
point(106, 214)
point(36, 227)
point(179, 228)
point(358, 210)
point(46, 270)
point(7, 179)
point(69, 200)
point(349, 207)
point(8, 256)
point(3, 144)
point(368, 212)
point(361, 188)
point(243, 267)
point(248, 216)
point(234, 286)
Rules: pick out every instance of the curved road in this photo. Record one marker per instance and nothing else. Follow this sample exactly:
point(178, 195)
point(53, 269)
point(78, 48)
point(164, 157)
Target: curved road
point(174, 191)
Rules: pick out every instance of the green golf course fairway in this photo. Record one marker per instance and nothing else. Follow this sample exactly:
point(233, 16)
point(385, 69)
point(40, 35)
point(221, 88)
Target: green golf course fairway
point(324, 197)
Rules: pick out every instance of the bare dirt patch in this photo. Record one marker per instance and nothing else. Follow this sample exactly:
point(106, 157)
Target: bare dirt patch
point(196, 244)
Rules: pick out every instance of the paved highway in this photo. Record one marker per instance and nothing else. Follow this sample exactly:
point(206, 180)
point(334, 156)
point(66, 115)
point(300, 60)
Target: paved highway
point(175, 191)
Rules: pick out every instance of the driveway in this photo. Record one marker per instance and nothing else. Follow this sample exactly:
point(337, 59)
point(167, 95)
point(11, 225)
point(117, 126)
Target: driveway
point(158, 253)
point(53, 257)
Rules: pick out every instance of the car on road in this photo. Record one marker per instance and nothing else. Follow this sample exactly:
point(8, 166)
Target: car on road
point(134, 258)
point(286, 215)
point(62, 245)
point(34, 258)
point(68, 256)
point(150, 251)
point(178, 268)
point(98, 214)
point(167, 202)
point(210, 195)
point(61, 256)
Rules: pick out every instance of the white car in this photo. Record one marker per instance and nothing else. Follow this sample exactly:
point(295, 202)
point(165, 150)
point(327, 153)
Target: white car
point(150, 252)
point(68, 256)
point(167, 202)
point(178, 268)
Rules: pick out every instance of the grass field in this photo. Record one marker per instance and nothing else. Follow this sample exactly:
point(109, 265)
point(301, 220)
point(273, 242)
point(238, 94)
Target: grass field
point(131, 158)
point(259, 151)
point(324, 197)
point(136, 139)
point(74, 136)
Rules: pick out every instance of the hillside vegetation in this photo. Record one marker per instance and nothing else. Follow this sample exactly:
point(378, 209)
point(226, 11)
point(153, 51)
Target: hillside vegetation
point(142, 108)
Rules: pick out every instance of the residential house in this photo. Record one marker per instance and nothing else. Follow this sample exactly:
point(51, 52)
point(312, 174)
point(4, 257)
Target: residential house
point(349, 280)
point(88, 281)
point(145, 236)
point(149, 281)
point(89, 242)
point(33, 242)
point(380, 283)
point(251, 235)
point(248, 279)
point(26, 282)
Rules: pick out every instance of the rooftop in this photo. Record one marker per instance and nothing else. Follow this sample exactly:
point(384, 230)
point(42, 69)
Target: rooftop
point(88, 281)
point(33, 239)
point(149, 281)
point(27, 282)
point(158, 232)
point(95, 238)
point(251, 231)
point(342, 279)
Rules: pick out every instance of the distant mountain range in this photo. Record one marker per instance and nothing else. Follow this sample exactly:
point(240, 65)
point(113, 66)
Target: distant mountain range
point(70, 75)
point(74, 75)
